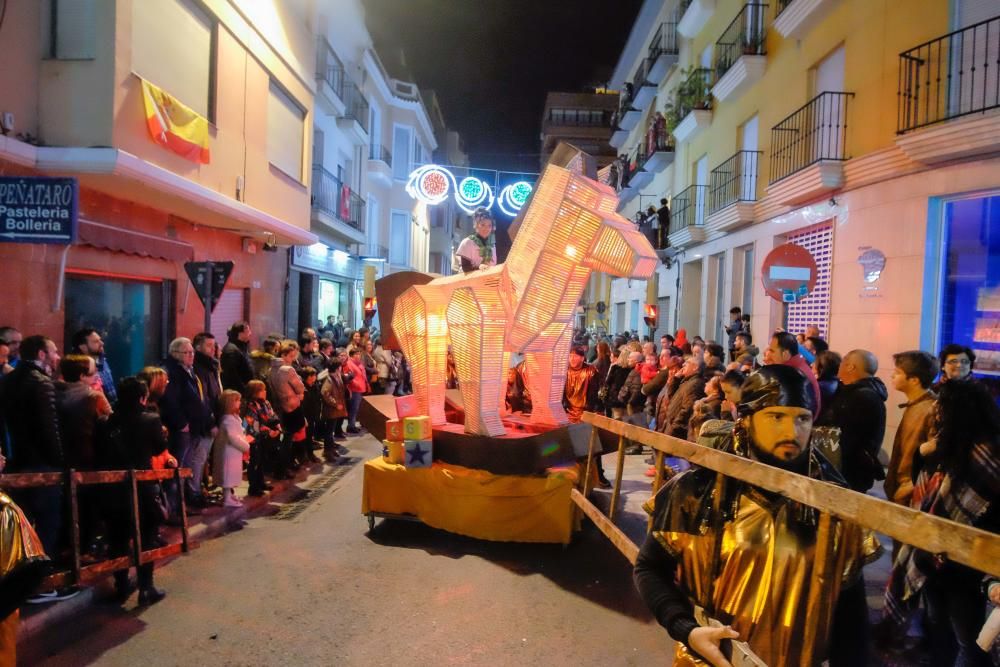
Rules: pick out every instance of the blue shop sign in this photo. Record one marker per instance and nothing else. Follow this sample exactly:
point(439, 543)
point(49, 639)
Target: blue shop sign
point(38, 209)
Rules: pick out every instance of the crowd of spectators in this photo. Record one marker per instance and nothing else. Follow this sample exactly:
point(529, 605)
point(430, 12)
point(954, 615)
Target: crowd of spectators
point(945, 457)
point(220, 408)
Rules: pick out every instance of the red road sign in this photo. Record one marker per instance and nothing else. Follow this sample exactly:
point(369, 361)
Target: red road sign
point(789, 273)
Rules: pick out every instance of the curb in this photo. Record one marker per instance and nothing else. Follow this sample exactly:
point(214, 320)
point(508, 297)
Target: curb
point(221, 523)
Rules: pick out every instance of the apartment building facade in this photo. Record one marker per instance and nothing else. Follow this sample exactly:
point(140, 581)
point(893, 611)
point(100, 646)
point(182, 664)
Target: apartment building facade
point(370, 130)
point(72, 89)
point(864, 132)
point(582, 119)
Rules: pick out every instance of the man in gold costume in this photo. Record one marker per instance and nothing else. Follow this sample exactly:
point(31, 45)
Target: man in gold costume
point(747, 557)
point(580, 395)
point(23, 563)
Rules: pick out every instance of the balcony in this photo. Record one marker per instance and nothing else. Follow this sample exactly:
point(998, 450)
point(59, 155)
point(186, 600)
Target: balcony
point(948, 95)
point(643, 86)
point(329, 80)
point(640, 177)
point(808, 150)
point(741, 53)
point(618, 136)
point(337, 207)
point(380, 165)
point(663, 53)
point(687, 219)
point(693, 105)
point(354, 120)
point(732, 192)
point(797, 17)
point(695, 17)
point(662, 155)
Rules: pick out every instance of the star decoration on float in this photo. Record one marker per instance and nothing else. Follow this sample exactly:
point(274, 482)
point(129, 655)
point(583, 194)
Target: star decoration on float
point(432, 184)
point(417, 454)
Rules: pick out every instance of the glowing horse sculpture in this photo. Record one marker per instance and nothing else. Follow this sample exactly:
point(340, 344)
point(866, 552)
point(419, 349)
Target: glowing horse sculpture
point(568, 229)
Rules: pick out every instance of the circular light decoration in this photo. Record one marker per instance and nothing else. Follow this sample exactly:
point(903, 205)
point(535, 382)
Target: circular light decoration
point(513, 197)
point(473, 193)
point(430, 184)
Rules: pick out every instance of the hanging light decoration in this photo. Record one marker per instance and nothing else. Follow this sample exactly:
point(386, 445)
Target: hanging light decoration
point(513, 197)
point(432, 184)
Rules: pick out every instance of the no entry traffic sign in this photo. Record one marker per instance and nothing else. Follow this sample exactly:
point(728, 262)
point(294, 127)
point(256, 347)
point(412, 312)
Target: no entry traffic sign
point(789, 273)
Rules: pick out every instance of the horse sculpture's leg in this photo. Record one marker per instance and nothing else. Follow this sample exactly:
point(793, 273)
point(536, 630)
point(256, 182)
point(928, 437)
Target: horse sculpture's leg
point(546, 371)
point(419, 323)
point(476, 323)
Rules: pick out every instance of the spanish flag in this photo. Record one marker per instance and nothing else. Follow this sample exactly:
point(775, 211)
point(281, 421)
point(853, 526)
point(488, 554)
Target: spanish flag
point(174, 126)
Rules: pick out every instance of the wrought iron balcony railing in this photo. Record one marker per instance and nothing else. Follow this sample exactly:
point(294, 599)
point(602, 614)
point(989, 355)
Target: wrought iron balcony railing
point(949, 77)
point(745, 36)
point(695, 92)
point(357, 105)
point(379, 152)
point(688, 208)
point(331, 196)
point(664, 41)
point(735, 180)
point(329, 68)
point(579, 117)
point(817, 131)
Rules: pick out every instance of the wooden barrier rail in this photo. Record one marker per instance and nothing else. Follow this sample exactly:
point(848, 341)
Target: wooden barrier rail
point(976, 548)
point(73, 480)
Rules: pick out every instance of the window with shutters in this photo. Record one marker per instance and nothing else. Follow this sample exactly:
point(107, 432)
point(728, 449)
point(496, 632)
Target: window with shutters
point(399, 238)
point(815, 308)
point(285, 132)
point(172, 47)
point(228, 310)
point(402, 144)
point(618, 322)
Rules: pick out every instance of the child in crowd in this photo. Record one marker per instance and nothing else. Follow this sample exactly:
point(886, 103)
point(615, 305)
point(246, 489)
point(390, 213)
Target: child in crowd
point(312, 407)
point(264, 429)
point(649, 369)
point(334, 394)
point(230, 445)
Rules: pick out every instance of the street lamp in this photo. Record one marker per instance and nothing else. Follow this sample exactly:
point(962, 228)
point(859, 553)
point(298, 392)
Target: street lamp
point(650, 317)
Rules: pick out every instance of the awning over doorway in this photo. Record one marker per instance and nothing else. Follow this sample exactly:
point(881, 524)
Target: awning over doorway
point(128, 241)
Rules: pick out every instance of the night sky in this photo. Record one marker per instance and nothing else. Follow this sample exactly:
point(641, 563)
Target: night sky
point(491, 62)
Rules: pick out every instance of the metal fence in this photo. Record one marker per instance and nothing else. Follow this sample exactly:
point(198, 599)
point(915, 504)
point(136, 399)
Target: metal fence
point(688, 208)
point(331, 196)
point(949, 77)
point(817, 131)
point(329, 68)
point(782, 5)
point(734, 180)
point(745, 36)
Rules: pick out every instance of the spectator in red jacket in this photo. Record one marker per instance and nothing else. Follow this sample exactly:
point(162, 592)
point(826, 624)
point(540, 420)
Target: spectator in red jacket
point(357, 385)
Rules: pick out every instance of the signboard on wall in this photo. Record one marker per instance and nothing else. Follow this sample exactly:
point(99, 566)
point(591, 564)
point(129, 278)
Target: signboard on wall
point(38, 209)
point(789, 273)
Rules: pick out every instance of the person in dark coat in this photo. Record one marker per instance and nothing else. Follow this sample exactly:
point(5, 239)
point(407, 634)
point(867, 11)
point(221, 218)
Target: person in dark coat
point(185, 414)
point(237, 370)
point(29, 405)
point(827, 366)
point(858, 410)
point(209, 375)
point(139, 436)
point(681, 407)
point(617, 376)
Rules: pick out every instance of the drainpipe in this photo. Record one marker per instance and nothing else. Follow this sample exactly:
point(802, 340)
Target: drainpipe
point(61, 281)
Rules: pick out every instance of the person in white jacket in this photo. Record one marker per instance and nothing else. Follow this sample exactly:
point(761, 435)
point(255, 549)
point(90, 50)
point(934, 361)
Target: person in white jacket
point(230, 446)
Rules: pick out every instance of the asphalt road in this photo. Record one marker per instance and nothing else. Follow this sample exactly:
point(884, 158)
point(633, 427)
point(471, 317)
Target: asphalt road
point(319, 589)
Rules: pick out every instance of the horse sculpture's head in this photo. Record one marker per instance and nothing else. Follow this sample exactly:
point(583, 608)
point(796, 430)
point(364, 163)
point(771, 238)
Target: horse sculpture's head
point(615, 246)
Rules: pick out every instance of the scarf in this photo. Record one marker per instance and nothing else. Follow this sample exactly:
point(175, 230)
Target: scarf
point(485, 247)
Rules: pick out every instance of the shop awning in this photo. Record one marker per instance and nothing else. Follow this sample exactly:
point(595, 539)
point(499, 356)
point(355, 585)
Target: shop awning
point(117, 239)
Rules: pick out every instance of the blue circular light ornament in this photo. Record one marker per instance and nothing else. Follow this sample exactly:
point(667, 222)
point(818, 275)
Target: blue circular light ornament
point(473, 193)
point(513, 197)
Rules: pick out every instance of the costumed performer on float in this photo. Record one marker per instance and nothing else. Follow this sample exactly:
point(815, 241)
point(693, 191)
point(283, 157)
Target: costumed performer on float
point(746, 555)
point(478, 250)
point(23, 564)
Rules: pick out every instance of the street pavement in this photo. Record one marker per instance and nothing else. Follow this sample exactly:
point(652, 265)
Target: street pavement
point(316, 588)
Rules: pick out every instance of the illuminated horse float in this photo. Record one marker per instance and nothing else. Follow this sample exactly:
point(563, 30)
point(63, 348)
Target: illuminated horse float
point(568, 229)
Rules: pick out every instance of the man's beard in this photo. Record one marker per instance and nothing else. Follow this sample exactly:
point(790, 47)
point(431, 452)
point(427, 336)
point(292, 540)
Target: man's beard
point(799, 464)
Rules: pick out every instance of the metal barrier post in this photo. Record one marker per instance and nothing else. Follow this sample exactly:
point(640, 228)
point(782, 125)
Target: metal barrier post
point(74, 514)
point(184, 518)
point(136, 538)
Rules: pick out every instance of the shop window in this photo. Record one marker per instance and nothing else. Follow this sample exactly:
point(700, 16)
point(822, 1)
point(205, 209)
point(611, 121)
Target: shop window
point(329, 299)
point(134, 318)
point(970, 308)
